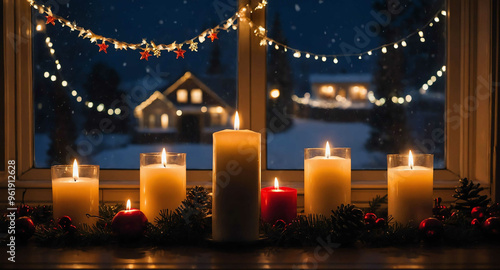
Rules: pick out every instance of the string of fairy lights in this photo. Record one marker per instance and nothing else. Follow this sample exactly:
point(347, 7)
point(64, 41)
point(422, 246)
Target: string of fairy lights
point(74, 93)
point(261, 32)
point(242, 15)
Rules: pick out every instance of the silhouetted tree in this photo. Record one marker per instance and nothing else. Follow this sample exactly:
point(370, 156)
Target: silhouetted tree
point(63, 132)
point(102, 88)
point(214, 65)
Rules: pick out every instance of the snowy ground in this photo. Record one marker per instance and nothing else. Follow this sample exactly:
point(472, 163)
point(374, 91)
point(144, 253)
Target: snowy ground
point(286, 150)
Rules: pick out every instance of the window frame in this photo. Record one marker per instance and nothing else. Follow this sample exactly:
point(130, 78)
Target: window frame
point(468, 62)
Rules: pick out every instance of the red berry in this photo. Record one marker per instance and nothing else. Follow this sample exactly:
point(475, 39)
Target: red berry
point(477, 212)
point(370, 219)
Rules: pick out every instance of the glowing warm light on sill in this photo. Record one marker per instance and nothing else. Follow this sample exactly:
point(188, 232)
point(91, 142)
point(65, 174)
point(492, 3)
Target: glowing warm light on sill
point(276, 183)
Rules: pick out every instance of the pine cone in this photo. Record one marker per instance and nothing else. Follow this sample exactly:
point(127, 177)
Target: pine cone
point(467, 196)
point(347, 223)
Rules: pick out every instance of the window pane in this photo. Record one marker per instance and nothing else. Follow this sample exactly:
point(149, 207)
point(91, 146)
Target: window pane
point(378, 100)
point(107, 108)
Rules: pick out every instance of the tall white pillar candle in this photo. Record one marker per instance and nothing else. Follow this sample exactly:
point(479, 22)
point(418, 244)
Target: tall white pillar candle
point(236, 185)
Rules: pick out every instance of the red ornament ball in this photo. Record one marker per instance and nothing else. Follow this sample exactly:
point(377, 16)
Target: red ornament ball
point(25, 228)
point(431, 229)
point(71, 229)
point(64, 222)
point(477, 212)
point(280, 224)
point(129, 223)
point(370, 219)
point(492, 227)
point(380, 223)
point(475, 223)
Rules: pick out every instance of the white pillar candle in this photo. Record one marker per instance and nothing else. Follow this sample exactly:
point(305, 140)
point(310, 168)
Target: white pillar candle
point(75, 192)
point(409, 185)
point(236, 185)
point(327, 179)
point(162, 182)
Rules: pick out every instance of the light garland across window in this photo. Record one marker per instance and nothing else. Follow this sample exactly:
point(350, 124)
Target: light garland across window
point(242, 15)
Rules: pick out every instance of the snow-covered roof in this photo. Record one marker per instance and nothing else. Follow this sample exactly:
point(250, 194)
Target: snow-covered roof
point(341, 78)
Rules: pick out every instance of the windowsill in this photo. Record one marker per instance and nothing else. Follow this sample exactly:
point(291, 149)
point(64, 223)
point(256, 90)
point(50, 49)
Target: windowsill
point(127, 184)
point(320, 257)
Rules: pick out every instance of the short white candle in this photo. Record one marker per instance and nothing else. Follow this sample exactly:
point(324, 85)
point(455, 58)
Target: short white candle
point(236, 185)
point(410, 187)
point(327, 179)
point(75, 192)
point(162, 183)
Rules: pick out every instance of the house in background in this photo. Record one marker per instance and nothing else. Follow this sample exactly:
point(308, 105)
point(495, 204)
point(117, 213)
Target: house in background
point(336, 97)
point(187, 108)
point(340, 87)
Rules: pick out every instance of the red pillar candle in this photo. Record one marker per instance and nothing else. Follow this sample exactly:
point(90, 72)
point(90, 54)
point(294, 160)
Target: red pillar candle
point(278, 203)
point(129, 223)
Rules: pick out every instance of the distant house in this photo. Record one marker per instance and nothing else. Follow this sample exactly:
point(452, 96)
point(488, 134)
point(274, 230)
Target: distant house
point(340, 87)
point(187, 107)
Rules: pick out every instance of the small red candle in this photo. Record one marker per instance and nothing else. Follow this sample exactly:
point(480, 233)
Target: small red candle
point(278, 203)
point(130, 223)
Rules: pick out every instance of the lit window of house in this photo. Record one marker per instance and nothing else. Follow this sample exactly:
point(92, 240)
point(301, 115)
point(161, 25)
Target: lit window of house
point(164, 121)
point(196, 96)
point(182, 96)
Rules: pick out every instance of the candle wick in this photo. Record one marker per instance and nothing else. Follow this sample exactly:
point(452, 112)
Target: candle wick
point(74, 178)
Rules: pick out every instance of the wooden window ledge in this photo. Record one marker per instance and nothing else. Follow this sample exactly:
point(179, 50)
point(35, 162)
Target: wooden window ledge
point(32, 257)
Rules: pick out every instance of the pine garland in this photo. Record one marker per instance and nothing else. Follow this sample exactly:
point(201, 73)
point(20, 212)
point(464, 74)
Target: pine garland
point(191, 224)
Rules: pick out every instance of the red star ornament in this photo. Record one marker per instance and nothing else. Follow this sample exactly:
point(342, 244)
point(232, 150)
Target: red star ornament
point(145, 55)
point(213, 36)
point(180, 52)
point(50, 19)
point(103, 47)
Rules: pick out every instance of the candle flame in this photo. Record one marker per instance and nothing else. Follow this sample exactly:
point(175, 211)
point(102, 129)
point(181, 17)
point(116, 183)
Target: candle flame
point(75, 170)
point(276, 183)
point(128, 204)
point(410, 160)
point(164, 158)
point(236, 121)
point(327, 150)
